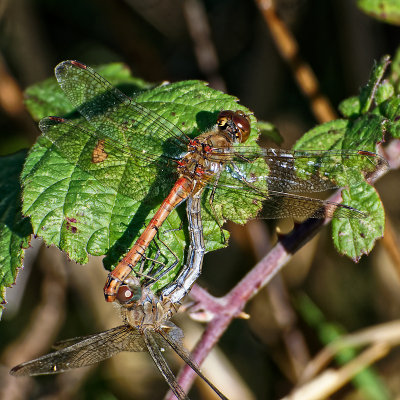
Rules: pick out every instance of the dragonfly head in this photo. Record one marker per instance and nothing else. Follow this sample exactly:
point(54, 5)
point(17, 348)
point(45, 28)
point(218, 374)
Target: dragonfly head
point(129, 292)
point(236, 124)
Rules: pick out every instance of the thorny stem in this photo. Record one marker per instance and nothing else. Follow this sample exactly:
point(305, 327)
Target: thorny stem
point(226, 308)
point(234, 302)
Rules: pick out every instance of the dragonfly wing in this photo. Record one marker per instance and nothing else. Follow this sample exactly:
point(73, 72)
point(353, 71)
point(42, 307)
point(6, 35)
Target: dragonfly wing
point(159, 360)
point(61, 344)
point(175, 342)
point(114, 166)
point(89, 350)
point(239, 203)
point(116, 115)
point(302, 171)
point(279, 205)
point(253, 175)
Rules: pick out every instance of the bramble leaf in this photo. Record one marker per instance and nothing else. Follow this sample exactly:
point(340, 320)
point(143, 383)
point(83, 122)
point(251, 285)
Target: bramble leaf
point(368, 92)
point(15, 230)
point(383, 10)
point(360, 134)
point(350, 107)
point(269, 132)
point(371, 115)
point(86, 210)
point(357, 237)
point(47, 98)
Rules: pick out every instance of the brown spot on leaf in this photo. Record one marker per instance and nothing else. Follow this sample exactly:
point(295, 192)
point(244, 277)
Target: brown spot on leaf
point(99, 155)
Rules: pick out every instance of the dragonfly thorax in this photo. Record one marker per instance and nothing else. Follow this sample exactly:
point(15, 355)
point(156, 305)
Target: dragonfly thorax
point(196, 166)
point(144, 308)
point(209, 151)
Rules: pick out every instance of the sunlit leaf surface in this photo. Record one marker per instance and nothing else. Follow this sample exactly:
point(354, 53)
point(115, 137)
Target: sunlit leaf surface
point(14, 229)
point(104, 210)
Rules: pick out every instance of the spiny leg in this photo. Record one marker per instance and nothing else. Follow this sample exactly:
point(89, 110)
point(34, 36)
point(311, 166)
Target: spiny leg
point(162, 268)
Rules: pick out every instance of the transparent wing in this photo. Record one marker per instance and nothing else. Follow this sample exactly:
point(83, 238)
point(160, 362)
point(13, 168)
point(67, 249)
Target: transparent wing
point(129, 171)
point(89, 350)
point(301, 171)
point(115, 115)
point(154, 350)
point(273, 180)
point(271, 205)
point(177, 346)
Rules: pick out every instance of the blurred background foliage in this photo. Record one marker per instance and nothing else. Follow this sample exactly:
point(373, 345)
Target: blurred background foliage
point(227, 43)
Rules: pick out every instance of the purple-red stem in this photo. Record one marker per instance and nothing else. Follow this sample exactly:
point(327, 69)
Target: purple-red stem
point(229, 306)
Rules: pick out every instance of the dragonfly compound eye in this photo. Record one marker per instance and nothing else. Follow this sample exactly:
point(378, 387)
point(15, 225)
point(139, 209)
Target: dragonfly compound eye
point(236, 123)
point(242, 122)
point(127, 294)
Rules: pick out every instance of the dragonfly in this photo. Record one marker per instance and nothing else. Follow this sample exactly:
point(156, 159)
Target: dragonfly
point(214, 165)
point(146, 327)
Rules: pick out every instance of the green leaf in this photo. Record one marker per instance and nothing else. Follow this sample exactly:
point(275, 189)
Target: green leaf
point(352, 237)
point(15, 230)
point(104, 211)
point(394, 75)
point(268, 131)
point(391, 110)
point(375, 92)
point(350, 107)
point(47, 98)
point(368, 92)
point(365, 129)
point(85, 207)
point(383, 10)
point(327, 136)
point(365, 132)
point(384, 92)
point(357, 237)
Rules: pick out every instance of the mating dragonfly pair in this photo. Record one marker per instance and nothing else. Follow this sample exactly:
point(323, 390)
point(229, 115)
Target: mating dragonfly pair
point(211, 171)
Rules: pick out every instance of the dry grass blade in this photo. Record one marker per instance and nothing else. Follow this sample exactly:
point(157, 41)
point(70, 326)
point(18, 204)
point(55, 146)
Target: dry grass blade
point(331, 381)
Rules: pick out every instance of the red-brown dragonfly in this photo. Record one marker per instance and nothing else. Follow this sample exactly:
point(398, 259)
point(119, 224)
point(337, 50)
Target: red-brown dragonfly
point(146, 328)
point(121, 129)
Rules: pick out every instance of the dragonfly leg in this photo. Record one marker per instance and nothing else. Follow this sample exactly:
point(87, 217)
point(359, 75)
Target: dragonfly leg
point(162, 266)
point(157, 268)
point(180, 227)
point(153, 260)
point(173, 265)
point(150, 274)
